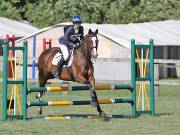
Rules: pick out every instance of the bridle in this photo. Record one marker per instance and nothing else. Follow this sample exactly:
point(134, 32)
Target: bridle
point(94, 55)
point(91, 43)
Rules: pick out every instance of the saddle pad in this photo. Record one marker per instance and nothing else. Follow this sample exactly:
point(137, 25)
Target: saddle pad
point(58, 57)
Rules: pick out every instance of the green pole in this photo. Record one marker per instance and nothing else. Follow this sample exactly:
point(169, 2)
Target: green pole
point(4, 105)
point(24, 91)
point(152, 108)
point(133, 77)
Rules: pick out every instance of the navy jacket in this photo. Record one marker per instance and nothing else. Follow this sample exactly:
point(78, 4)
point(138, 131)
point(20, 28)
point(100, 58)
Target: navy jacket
point(70, 37)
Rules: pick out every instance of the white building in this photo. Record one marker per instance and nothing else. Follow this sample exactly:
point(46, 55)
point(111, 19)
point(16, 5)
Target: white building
point(114, 40)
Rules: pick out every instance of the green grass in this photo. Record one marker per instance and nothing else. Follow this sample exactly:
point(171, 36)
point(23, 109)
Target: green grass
point(171, 78)
point(1, 74)
point(166, 122)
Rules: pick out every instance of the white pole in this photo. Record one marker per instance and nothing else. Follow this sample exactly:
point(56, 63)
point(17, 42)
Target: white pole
point(15, 68)
point(142, 73)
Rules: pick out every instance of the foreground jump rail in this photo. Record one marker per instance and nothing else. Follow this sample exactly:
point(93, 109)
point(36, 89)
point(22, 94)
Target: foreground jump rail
point(79, 88)
point(90, 116)
point(83, 102)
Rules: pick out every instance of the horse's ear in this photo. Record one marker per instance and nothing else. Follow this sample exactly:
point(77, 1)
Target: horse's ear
point(90, 31)
point(96, 32)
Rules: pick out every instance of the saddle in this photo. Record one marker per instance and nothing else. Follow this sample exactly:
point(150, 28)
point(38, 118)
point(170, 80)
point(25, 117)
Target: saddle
point(58, 56)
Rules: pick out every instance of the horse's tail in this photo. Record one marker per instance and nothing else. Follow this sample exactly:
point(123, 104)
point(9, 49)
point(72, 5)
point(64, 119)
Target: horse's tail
point(41, 77)
point(40, 74)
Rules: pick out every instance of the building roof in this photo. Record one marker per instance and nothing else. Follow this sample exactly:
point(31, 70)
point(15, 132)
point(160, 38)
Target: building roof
point(164, 33)
point(19, 29)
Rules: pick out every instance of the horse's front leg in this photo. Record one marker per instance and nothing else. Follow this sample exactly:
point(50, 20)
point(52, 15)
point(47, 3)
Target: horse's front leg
point(42, 83)
point(86, 77)
point(40, 97)
point(94, 98)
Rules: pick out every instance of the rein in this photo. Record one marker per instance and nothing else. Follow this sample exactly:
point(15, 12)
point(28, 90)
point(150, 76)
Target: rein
point(89, 49)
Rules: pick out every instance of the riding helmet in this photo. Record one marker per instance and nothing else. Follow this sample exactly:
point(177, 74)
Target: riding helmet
point(76, 19)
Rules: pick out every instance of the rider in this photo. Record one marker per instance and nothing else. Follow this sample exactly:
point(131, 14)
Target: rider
point(72, 38)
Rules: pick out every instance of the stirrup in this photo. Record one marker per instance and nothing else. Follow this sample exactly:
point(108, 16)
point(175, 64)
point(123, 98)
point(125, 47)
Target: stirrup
point(56, 74)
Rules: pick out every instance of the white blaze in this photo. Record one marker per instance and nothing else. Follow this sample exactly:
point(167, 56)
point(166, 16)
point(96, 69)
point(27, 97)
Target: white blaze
point(94, 45)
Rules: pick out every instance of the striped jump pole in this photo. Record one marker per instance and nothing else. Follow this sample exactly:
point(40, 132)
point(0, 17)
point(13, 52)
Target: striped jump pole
point(79, 88)
point(89, 116)
point(63, 117)
point(72, 117)
point(82, 102)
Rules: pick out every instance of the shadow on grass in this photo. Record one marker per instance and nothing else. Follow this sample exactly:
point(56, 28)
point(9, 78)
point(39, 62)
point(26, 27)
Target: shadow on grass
point(72, 116)
point(162, 114)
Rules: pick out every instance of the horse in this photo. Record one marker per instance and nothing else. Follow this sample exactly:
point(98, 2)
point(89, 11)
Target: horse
point(81, 69)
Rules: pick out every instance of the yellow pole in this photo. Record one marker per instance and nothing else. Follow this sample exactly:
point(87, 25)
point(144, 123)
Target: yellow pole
point(139, 96)
point(12, 89)
point(140, 86)
point(17, 90)
point(147, 100)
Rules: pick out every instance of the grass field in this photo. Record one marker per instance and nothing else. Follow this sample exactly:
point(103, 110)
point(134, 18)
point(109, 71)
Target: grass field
point(166, 121)
point(1, 74)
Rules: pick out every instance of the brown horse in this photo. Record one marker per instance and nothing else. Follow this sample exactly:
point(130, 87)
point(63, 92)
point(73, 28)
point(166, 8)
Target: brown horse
point(81, 70)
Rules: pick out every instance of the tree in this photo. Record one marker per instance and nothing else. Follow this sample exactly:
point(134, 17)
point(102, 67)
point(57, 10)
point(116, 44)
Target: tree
point(43, 13)
point(9, 11)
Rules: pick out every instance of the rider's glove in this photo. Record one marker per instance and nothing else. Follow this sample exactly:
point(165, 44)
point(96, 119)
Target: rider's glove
point(77, 45)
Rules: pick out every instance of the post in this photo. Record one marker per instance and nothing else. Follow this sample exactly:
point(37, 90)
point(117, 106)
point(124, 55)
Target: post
point(6, 81)
point(44, 44)
point(156, 79)
point(11, 53)
point(24, 91)
point(142, 83)
point(4, 105)
point(152, 108)
point(133, 77)
point(47, 44)
point(34, 56)
point(13, 44)
point(50, 43)
point(14, 66)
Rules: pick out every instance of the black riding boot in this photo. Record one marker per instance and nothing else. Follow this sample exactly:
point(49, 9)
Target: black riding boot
point(58, 68)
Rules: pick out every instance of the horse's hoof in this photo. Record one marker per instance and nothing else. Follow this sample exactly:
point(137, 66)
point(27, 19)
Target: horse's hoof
point(37, 96)
point(94, 103)
point(39, 111)
point(105, 116)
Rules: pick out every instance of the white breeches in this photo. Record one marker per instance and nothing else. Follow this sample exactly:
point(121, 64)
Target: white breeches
point(64, 51)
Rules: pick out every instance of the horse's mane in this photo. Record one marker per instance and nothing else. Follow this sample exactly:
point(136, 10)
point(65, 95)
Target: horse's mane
point(83, 45)
point(85, 38)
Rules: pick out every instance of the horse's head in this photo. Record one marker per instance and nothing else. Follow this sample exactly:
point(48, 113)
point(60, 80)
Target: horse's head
point(92, 42)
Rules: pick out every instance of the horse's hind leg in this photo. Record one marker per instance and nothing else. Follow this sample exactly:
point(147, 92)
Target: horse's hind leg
point(42, 83)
